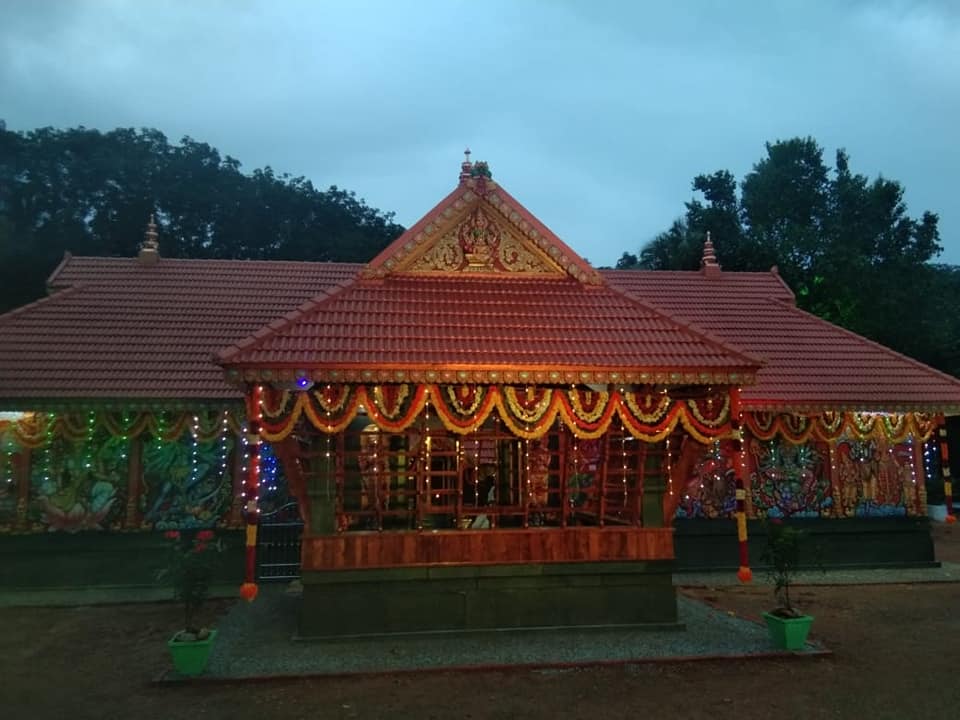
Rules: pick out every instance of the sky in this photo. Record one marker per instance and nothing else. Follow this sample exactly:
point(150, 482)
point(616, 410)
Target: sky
point(596, 115)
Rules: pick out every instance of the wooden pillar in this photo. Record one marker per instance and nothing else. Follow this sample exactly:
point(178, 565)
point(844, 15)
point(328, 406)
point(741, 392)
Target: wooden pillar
point(288, 453)
point(21, 477)
point(322, 491)
point(134, 482)
point(235, 517)
point(919, 489)
point(655, 481)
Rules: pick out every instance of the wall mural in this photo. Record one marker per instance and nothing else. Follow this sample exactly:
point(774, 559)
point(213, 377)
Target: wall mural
point(8, 485)
point(877, 479)
point(187, 483)
point(78, 484)
point(789, 480)
point(872, 478)
point(710, 490)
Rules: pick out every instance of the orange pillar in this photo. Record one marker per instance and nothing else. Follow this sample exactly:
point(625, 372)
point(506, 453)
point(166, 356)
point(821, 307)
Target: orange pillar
point(744, 574)
point(248, 591)
point(945, 469)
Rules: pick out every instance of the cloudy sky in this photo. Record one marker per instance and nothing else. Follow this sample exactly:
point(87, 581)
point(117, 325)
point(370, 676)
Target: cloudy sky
point(596, 115)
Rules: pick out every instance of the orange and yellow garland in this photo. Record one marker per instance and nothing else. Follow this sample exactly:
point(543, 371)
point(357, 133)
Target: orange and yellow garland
point(529, 412)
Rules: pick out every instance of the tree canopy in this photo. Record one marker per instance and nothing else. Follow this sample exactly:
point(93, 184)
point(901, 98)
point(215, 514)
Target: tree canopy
point(843, 242)
point(91, 193)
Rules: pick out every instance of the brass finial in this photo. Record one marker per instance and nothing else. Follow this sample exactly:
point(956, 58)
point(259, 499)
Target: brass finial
point(150, 236)
point(466, 167)
point(150, 248)
point(708, 262)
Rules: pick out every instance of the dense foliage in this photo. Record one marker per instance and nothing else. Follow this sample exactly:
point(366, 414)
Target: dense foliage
point(844, 243)
point(91, 193)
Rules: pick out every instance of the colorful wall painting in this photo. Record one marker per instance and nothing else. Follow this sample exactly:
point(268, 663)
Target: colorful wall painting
point(789, 480)
point(187, 483)
point(876, 479)
point(710, 490)
point(871, 478)
point(78, 484)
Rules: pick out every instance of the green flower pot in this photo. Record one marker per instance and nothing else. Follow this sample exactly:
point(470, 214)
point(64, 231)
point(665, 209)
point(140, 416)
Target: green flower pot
point(190, 657)
point(788, 633)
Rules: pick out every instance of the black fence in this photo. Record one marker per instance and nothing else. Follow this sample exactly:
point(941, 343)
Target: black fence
point(278, 545)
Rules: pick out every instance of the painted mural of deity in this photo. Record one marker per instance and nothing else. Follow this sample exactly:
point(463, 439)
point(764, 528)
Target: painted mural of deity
point(876, 479)
point(709, 490)
point(790, 480)
point(79, 485)
point(187, 483)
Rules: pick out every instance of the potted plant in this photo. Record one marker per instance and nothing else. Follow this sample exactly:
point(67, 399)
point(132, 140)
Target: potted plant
point(190, 565)
point(788, 627)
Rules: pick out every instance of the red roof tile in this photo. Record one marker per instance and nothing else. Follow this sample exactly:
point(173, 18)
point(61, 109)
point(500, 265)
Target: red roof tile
point(125, 330)
point(808, 362)
point(483, 323)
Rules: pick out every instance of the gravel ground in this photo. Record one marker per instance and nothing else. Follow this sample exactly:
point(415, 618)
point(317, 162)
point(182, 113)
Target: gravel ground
point(256, 641)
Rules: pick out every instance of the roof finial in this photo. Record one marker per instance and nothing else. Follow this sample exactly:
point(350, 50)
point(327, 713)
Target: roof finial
point(150, 248)
point(466, 167)
point(708, 263)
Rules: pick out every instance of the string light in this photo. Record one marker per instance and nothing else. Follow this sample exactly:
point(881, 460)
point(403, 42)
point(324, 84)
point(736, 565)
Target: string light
point(194, 449)
point(123, 438)
point(623, 454)
point(913, 461)
point(88, 445)
point(8, 467)
point(670, 465)
point(48, 441)
point(244, 430)
point(224, 447)
point(476, 472)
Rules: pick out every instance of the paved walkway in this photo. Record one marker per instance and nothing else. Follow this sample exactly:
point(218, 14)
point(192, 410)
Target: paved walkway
point(947, 572)
point(257, 641)
point(113, 595)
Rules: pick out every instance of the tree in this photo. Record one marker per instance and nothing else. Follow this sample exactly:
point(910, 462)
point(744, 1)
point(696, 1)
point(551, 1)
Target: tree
point(91, 193)
point(843, 242)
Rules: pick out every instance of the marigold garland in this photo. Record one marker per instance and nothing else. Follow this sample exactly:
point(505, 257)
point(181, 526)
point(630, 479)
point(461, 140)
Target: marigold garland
point(34, 430)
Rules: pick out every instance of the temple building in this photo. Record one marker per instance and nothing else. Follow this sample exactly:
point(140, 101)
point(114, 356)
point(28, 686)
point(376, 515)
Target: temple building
point(476, 429)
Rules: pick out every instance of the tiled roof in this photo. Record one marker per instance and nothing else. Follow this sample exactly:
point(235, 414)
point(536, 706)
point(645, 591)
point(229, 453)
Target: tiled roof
point(124, 330)
point(808, 362)
point(117, 329)
point(479, 324)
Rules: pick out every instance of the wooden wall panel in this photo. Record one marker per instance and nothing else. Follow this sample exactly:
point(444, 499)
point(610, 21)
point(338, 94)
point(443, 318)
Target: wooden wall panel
point(357, 550)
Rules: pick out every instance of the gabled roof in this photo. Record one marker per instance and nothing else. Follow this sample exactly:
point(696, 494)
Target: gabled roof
point(480, 229)
point(480, 291)
point(524, 308)
point(809, 363)
point(123, 330)
point(486, 329)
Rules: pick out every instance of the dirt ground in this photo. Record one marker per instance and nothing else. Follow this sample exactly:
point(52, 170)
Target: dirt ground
point(896, 655)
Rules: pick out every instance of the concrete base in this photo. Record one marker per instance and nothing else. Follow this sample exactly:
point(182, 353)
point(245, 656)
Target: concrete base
point(832, 542)
point(489, 597)
point(98, 558)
